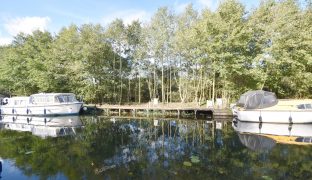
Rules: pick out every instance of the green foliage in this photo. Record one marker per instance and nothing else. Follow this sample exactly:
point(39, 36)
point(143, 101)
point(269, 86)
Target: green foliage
point(191, 56)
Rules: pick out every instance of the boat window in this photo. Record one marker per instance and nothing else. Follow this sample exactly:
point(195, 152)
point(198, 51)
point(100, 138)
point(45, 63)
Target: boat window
point(42, 99)
point(60, 99)
point(308, 106)
point(301, 106)
point(20, 102)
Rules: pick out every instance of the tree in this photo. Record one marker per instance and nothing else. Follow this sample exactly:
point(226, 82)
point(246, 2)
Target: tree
point(159, 39)
point(116, 35)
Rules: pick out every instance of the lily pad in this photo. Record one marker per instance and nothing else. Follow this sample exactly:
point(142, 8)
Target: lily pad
point(266, 177)
point(195, 159)
point(29, 152)
point(187, 163)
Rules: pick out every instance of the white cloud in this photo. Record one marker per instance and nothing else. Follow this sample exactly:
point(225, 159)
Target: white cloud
point(211, 4)
point(5, 41)
point(127, 16)
point(26, 25)
point(180, 7)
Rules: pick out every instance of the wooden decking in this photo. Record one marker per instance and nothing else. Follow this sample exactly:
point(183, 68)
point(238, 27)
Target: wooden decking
point(172, 110)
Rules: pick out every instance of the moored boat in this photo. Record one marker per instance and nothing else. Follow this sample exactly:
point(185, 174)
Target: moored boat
point(263, 106)
point(43, 104)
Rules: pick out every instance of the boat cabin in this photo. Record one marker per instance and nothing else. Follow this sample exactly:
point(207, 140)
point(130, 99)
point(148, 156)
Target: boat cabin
point(16, 101)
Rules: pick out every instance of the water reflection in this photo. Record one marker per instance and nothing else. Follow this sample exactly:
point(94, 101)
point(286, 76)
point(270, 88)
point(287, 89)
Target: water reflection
point(264, 136)
point(115, 148)
point(42, 126)
point(156, 144)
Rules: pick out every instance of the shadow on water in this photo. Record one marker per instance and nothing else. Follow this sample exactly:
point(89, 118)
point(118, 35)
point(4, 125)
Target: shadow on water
point(114, 148)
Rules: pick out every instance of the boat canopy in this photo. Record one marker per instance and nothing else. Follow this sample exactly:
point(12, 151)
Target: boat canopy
point(257, 99)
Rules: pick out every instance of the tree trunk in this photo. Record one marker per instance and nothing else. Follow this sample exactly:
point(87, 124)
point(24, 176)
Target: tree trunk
point(162, 81)
point(129, 90)
point(170, 85)
point(213, 87)
point(120, 67)
point(114, 92)
point(139, 89)
point(154, 90)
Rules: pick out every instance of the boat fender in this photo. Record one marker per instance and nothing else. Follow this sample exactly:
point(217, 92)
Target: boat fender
point(290, 120)
point(13, 111)
point(27, 111)
point(290, 127)
point(44, 111)
point(260, 118)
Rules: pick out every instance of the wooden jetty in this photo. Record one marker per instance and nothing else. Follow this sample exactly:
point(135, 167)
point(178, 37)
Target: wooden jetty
point(173, 110)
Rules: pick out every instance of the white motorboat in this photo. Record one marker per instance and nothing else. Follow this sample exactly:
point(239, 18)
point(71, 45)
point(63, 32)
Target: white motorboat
point(43, 104)
point(42, 126)
point(263, 106)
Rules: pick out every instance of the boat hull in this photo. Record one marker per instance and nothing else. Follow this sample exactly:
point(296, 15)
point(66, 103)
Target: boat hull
point(39, 110)
point(267, 116)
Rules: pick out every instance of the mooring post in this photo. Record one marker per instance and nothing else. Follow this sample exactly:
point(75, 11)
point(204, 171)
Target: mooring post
point(195, 112)
point(178, 113)
point(119, 112)
point(133, 112)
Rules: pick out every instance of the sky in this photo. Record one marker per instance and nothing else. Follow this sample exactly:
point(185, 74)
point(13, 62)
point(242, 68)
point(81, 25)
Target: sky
point(51, 15)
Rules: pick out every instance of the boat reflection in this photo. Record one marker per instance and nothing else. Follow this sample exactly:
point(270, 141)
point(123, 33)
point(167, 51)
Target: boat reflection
point(264, 136)
point(42, 126)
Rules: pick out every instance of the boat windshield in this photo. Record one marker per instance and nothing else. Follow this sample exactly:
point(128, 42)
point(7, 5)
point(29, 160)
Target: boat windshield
point(65, 99)
point(304, 106)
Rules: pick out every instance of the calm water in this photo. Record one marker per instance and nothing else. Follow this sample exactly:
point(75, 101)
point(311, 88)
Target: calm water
point(104, 148)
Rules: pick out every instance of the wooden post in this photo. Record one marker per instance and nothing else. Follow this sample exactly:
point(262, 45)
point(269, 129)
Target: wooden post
point(119, 112)
point(107, 112)
point(178, 114)
point(195, 112)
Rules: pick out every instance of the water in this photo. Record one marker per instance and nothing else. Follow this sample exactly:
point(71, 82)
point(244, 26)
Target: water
point(115, 148)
